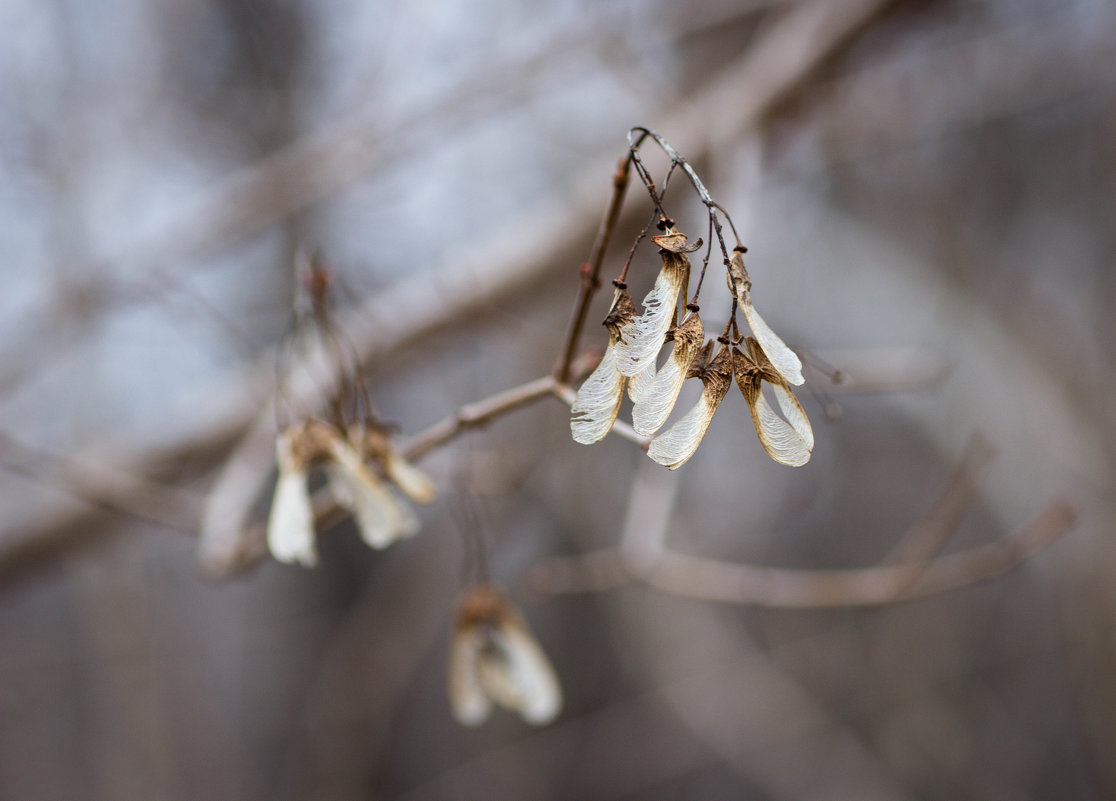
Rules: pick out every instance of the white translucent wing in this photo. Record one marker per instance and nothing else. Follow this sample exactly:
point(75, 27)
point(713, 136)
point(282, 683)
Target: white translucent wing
point(598, 401)
point(782, 442)
point(677, 444)
point(795, 415)
point(781, 357)
point(380, 516)
point(414, 483)
point(643, 337)
point(640, 383)
point(517, 675)
point(530, 670)
point(290, 525)
point(470, 704)
point(654, 394)
point(658, 395)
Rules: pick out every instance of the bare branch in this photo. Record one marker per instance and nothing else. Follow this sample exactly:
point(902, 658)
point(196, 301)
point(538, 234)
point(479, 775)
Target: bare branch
point(746, 584)
point(713, 580)
point(477, 414)
point(102, 486)
point(927, 537)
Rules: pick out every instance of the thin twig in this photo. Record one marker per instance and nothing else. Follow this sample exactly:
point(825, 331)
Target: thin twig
point(927, 537)
point(104, 487)
point(477, 414)
point(591, 270)
point(714, 580)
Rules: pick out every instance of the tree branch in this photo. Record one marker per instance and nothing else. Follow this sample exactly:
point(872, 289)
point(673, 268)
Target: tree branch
point(713, 580)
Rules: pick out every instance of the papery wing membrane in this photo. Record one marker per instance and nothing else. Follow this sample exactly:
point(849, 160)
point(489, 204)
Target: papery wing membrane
point(642, 339)
point(782, 358)
point(290, 525)
point(788, 441)
point(654, 396)
point(528, 671)
point(782, 442)
point(795, 415)
point(470, 703)
point(676, 445)
point(598, 400)
point(381, 517)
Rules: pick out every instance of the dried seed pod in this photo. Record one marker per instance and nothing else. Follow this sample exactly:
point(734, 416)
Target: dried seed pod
point(655, 393)
point(675, 242)
point(788, 441)
point(642, 339)
point(781, 357)
point(495, 659)
point(674, 447)
point(290, 524)
point(598, 401)
point(381, 517)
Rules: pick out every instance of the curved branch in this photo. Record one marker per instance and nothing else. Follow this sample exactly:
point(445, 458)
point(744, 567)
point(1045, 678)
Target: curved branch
point(712, 580)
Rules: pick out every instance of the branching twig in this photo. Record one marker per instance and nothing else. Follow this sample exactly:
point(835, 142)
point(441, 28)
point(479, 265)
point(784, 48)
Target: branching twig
point(746, 584)
point(477, 414)
point(713, 580)
point(911, 570)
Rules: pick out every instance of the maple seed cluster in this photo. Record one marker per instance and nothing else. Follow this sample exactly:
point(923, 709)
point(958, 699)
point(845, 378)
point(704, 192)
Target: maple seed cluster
point(381, 515)
point(634, 342)
point(495, 660)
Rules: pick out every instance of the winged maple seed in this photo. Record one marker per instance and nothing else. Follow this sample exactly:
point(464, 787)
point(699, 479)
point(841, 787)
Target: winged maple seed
point(290, 526)
point(495, 659)
point(675, 446)
point(781, 357)
point(598, 401)
point(642, 339)
point(373, 442)
point(381, 517)
point(655, 393)
point(787, 441)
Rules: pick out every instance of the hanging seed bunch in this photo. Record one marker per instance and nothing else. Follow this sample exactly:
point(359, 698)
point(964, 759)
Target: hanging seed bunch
point(364, 474)
point(494, 659)
point(669, 315)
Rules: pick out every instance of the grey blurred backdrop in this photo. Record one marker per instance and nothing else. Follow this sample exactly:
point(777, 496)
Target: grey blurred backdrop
point(930, 202)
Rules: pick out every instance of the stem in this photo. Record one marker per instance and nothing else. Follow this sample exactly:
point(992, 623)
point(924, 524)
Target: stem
point(475, 415)
point(591, 270)
point(787, 588)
